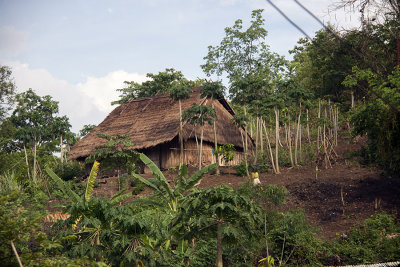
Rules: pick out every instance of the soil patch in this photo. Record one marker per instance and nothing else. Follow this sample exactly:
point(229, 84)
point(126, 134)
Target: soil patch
point(333, 199)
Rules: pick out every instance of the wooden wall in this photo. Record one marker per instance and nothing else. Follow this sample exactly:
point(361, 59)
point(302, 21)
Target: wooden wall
point(167, 155)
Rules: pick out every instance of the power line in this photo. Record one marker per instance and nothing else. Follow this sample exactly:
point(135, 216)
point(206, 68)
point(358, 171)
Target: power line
point(289, 20)
point(338, 38)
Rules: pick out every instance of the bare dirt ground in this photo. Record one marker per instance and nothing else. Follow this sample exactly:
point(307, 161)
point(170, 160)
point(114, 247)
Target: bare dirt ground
point(365, 190)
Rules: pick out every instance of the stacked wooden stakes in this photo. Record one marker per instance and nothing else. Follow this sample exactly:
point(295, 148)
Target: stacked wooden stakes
point(327, 136)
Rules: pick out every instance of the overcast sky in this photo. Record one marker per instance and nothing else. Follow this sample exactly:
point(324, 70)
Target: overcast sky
point(81, 51)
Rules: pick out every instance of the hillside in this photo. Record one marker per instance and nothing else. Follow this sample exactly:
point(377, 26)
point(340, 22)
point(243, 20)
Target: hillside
point(366, 190)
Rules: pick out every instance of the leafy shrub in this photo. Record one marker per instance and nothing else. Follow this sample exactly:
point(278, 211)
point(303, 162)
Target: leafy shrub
point(374, 241)
point(9, 183)
point(69, 170)
point(241, 169)
point(21, 225)
point(137, 186)
point(292, 239)
point(227, 152)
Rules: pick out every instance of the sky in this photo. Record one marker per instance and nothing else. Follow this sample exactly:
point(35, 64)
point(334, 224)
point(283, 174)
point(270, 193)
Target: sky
point(81, 51)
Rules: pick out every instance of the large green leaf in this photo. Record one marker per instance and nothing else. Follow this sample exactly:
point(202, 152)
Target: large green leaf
point(157, 174)
point(63, 186)
point(91, 179)
point(120, 196)
point(196, 177)
point(181, 179)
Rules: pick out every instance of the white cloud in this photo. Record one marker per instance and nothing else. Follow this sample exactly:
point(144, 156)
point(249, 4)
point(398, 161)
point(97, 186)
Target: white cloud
point(12, 41)
point(103, 90)
point(88, 102)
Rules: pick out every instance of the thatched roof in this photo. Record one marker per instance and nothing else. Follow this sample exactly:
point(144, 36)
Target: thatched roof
point(155, 120)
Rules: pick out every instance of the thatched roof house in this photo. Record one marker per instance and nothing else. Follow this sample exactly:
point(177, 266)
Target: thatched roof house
point(152, 123)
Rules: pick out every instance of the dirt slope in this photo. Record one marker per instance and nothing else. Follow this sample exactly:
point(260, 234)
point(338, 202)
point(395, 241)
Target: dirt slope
point(365, 190)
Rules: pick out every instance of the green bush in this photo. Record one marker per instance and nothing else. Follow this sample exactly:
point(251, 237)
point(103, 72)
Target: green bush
point(69, 170)
point(9, 183)
point(374, 241)
point(241, 169)
point(137, 186)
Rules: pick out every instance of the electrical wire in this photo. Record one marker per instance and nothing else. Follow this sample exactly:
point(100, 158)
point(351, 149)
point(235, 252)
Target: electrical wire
point(337, 37)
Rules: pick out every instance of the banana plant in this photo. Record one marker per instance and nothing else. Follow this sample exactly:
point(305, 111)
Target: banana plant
point(159, 184)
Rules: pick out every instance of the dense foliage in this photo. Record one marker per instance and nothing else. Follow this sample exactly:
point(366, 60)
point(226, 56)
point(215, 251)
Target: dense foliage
point(292, 111)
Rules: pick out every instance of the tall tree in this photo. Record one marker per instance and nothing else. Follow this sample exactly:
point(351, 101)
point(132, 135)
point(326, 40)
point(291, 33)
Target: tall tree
point(199, 115)
point(159, 83)
point(36, 122)
point(213, 91)
point(7, 91)
point(245, 58)
point(220, 211)
point(178, 93)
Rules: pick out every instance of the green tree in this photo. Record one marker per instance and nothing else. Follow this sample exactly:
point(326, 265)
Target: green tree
point(213, 91)
point(245, 58)
point(116, 153)
point(199, 115)
point(377, 118)
point(180, 92)
point(87, 128)
point(159, 83)
point(159, 184)
point(220, 211)
point(36, 122)
point(7, 91)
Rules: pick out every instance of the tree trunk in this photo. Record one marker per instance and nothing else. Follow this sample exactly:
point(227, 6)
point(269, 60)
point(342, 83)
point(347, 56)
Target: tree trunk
point(261, 136)
point(290, 142)
point(180, 134)
point(246, 145)
point(352, 99)
point(300, 147)
point(256, 132)
point(336, 125)
point(270, 149)
point(215, 141)
point(308, 129)
point(296, 140)
point(319, 126)
point(34, 160)
point(61, 149)
point(324, 143)
point(219, 245)
point(27, 162)
point(276, 139)
point(201, 146)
